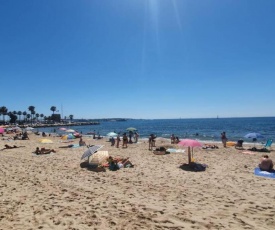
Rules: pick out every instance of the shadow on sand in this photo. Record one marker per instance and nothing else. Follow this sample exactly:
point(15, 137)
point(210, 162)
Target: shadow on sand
point(193, 167)
point(92, 167)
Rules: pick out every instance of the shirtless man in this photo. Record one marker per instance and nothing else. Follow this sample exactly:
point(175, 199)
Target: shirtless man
point(266, 163)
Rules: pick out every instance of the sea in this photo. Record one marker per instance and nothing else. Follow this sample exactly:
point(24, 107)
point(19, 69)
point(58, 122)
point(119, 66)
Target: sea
point(206, 129)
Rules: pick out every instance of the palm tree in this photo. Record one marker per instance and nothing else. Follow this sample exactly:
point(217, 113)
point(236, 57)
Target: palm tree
point(71, 117)
point(32, 115)
point(41, 115)
point(37, 116)
point(19, 114)
point(28, 116)
point(24, 114)
point(53, 108)
point(31, 109)
point(3, 111)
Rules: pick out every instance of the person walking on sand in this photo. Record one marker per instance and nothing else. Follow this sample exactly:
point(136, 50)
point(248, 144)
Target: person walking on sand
point(124, 140)
point(224, 139)
point(117, 141)
point(151, 141)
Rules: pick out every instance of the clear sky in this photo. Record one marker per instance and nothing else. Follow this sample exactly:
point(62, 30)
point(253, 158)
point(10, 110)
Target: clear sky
point(138, 58)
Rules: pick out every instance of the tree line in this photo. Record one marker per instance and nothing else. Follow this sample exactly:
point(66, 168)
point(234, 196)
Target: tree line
point(28, 117)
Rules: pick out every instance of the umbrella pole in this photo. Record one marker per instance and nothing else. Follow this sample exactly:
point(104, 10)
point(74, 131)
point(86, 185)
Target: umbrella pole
point(189, 155)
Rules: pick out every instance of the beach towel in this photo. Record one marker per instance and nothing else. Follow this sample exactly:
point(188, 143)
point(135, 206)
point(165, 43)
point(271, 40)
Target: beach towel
point(175, 150)
point(248, 152)
point(259, 172)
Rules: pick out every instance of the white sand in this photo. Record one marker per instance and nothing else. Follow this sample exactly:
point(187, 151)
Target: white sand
point(53, 192)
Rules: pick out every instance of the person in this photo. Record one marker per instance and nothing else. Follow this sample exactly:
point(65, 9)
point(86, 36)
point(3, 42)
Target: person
point(136, 137)
point(112, 141)
point(239, 144)
point(224, 139)
point(116, 163)
point(173, 139)
point(11, 147)
point(44, 134)
point(151, 141)
point(266, 163)
point(25, 136)
point(124, 140)
point(43, 151)
point(177, 140)
point(154, 140)
point(130, 137)
point(81, 142)
point(210, 146)
point(117, 141)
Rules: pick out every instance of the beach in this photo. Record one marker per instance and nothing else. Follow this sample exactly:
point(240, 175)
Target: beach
point(53, 192)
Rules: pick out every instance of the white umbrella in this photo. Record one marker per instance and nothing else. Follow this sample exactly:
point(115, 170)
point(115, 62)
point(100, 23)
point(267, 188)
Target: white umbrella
point(29, 128)
point(112, 134)
point(69, 131)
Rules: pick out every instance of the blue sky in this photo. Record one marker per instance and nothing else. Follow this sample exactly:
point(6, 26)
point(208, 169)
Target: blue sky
point(139, 58)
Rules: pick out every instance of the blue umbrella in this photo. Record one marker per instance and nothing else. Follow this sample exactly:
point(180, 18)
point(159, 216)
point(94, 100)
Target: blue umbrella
point(254, 135)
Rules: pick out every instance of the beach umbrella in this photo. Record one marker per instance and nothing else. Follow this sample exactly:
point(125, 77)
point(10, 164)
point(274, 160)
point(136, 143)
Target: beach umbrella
point(90, 151)
point(76, 134)
point(68, 137)
point(112, 134)
point(62, 129)
point(254, 135)
point(2, 130)
point(131, 129)
point(29, 128)
point(189, 143)
point(45, 141)
point(69, 131)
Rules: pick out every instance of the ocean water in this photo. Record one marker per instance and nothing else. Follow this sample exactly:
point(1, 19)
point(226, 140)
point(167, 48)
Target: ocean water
point(201, 129)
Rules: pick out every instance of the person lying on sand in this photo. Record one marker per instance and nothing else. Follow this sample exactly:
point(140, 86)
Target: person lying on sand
point(11, 147)
point(266, 163)
point(259, 150)
point(43, 151)
point(210, 146)
point(117, 163)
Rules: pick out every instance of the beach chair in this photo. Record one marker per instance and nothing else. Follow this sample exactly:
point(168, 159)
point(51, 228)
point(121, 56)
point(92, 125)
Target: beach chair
point(268, 143)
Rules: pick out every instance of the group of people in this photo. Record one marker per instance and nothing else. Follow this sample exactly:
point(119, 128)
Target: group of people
point(118, 163)
point(125, 139)
point(174, 139)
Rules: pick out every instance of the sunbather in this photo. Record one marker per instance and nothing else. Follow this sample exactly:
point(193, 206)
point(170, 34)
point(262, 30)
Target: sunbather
point(117, 163)
point(209, 146)
point(43, 151)
point(11, 147)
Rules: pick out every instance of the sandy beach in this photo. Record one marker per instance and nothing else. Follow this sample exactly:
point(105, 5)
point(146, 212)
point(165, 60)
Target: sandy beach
point(54, 192)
